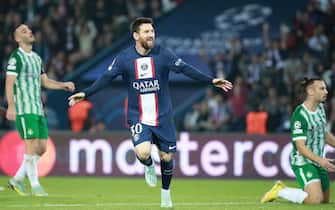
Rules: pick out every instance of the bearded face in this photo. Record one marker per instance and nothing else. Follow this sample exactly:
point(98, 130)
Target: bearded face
point(319, 91)
point(146, 36)
point(24, 35)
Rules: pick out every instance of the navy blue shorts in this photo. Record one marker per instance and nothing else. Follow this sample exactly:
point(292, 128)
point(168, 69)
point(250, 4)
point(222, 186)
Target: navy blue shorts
point(164, 135)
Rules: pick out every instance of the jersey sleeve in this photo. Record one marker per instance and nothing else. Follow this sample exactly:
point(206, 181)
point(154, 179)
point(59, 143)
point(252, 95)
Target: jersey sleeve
point(14, 65)
point(41, 65)
point(114, 69)
point(298, 127)
point(177, 65)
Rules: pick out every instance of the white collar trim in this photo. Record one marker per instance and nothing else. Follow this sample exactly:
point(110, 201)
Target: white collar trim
point(309, 111)
point(29, 54)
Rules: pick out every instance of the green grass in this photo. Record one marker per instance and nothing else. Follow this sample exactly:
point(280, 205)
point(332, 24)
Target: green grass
point(90, 193)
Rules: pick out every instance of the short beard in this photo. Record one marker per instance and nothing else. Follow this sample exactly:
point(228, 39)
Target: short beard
point(146, 46)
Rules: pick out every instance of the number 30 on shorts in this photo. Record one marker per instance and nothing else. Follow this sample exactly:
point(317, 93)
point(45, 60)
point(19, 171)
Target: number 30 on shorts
point(136, 129)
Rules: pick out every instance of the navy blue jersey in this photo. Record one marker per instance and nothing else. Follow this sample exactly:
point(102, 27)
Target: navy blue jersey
point(147, 82)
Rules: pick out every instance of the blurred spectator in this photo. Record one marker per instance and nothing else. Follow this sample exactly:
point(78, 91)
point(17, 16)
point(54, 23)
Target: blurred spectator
point(254, 70)
point(256, 120)
point(223, 114)
point(217, 65)
point(237, 101)
point(319, 42)
point(272, 107)
point(191, 118)
point(204, 121)
point(81, 116)
point(86, 33)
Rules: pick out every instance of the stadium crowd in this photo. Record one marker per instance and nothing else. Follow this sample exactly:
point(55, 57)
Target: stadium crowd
point(267, 82)
point(69, 32)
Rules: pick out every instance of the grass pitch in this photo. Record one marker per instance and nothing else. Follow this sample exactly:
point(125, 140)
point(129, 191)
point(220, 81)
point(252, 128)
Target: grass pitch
point(90, 193)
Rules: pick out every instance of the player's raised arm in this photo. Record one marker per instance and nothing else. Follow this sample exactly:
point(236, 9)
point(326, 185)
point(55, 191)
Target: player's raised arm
point(179, 66)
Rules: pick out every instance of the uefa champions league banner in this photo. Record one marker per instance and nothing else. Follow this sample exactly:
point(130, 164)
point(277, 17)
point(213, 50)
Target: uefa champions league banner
point(198, 155)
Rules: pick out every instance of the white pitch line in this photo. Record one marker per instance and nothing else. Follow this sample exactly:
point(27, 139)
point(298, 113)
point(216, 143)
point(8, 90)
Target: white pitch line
point(45, 205)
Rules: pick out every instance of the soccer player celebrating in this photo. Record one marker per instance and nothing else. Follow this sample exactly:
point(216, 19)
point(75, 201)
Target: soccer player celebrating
point(24, 77)
point(309, 135)
point(145, 68)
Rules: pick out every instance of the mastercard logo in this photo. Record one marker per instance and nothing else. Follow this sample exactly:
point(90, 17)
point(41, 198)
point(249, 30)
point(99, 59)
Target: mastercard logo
point(12, 151)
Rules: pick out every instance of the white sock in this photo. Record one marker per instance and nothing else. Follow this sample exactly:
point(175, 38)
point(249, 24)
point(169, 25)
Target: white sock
point(21, 172)
point(36, 158)
point(32, 171)
point(294, 195)
point(165, 191)
point(166, 197)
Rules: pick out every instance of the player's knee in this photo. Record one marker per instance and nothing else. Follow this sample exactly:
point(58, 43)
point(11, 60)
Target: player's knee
point(314, 199)
point(143, 155)
point(166, 157)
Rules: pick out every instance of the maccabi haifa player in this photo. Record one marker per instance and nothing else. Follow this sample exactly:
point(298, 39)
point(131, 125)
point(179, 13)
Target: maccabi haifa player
point(309, 136)
point(24, 77)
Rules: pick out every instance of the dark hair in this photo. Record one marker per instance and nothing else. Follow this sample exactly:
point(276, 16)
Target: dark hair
point(135, 25)
point(13, 33)
point(306, 82)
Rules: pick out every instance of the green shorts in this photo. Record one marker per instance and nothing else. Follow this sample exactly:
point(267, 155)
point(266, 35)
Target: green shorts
point(310, 173)
point(32, 126)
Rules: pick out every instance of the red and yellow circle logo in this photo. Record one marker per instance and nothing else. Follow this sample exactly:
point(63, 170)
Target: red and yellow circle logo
point(12, 151)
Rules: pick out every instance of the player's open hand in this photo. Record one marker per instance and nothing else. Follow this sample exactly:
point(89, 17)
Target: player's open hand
point(69, 86)
point(327, 164)
point(75, 98)
point(222, 83)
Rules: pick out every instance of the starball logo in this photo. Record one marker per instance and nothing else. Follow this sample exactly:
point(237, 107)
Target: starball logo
point(146, 86)
point(12, 152)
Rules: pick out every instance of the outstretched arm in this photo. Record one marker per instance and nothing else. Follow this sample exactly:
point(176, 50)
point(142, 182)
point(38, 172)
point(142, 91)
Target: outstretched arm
point(103, 81)
point(179, 66)
point(196, 74)
point(52, 84)
point(99, 84)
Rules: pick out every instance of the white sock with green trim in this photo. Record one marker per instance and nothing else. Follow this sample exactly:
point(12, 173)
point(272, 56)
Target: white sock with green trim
point(294, 195)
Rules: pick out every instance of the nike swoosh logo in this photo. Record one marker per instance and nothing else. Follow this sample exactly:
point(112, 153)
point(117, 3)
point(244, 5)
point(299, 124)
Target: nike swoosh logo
point(172, 147)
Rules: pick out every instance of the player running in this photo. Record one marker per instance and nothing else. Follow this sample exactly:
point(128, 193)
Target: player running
point(145, 69)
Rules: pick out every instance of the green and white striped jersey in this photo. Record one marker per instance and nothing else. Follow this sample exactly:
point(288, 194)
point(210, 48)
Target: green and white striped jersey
point(310, 126)
point(28, 68)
